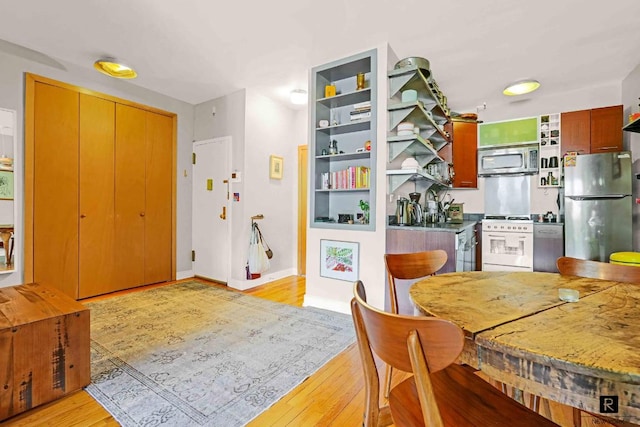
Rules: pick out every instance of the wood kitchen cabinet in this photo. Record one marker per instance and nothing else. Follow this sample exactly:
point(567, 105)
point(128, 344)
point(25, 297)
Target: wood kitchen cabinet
point(598, 130)
point(460, 246)
point(99, 191)
point(462, 153)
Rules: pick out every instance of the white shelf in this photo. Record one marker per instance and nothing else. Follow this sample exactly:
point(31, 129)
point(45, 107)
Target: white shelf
point(397, 177)
point(550, 147)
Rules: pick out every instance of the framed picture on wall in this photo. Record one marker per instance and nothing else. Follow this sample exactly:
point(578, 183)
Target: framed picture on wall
point(339, 260)
point(6, 185)
point(276, 164)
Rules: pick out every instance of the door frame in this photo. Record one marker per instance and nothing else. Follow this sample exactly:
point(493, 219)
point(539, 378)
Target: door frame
point(228, 140)
point(303, 172)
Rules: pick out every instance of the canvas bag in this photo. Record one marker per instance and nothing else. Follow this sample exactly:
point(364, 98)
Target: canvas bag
point(258, 259)
point(268, 250)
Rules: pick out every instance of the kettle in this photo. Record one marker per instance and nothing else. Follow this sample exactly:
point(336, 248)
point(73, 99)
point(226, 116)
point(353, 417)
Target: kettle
point(403, 212)
point(416, 213)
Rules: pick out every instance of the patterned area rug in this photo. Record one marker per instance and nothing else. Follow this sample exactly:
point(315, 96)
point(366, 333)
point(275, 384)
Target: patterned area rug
point(190, 354)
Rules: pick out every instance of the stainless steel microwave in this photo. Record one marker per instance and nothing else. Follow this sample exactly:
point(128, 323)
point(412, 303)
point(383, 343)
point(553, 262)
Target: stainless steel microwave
point(508, 160)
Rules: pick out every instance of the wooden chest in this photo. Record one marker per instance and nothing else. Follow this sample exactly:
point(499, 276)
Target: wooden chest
point(44, 347)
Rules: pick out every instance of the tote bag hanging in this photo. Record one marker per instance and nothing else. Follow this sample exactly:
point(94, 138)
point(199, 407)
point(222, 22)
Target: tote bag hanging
point(258, 260)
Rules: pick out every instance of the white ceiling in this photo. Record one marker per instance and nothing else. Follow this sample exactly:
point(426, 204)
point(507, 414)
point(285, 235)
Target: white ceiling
point(197, 50)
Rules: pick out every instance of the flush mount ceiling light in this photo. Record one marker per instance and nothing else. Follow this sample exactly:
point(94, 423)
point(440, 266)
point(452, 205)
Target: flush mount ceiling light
point(298, 96)
point(111, 67)
point(521, 87)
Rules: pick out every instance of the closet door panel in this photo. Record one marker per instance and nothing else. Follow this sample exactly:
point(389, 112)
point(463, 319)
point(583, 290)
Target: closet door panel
point(97, 174)
point(55, 188)
point(129, 196)
point(158, 227)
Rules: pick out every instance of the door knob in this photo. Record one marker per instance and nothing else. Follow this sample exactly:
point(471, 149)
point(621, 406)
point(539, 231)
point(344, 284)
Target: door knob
point(83, 216)
point(141, 213)
point(223, 215)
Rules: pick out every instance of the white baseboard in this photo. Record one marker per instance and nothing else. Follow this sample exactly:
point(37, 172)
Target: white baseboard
point(327, 304)
point(184, 274)
point(244, 284)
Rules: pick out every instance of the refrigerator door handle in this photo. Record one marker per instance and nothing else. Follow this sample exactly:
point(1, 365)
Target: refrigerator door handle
point(607, 197)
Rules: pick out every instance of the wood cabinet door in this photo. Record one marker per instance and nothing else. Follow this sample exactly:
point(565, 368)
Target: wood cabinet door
point(96, 194)
point(575, 131)
point(55, 188)
point(129, 196)
point(159, 186)
point(465, 148)
point(606, 129)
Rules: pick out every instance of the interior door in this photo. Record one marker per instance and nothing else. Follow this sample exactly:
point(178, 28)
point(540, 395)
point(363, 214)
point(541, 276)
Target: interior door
point(55, 188)
point(130, 196)
point(158, 233)
point(96, 194)
point(211, 209)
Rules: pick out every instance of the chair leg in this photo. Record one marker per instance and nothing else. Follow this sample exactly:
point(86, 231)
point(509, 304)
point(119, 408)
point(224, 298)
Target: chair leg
point(534, 403)
point(577, 417)
point(387, 381)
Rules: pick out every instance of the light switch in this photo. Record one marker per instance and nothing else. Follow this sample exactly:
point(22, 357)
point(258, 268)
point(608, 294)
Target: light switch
point(210, 184)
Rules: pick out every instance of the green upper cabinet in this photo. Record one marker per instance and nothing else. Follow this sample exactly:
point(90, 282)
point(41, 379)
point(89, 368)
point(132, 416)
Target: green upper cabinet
point(508, 132)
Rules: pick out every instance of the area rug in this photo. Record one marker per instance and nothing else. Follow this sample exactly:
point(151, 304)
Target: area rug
point(189, 354)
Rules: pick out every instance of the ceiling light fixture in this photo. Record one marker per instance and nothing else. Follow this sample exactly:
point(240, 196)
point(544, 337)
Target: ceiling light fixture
point(298, 96)
point(521, 87)
point(111, 67)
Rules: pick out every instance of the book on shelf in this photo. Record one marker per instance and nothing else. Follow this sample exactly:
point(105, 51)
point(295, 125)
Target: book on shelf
point(362, 105)
point(355, 115)
point(354, 177)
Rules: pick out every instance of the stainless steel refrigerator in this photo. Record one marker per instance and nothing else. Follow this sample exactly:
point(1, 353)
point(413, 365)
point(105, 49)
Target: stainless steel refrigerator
point(598, 202)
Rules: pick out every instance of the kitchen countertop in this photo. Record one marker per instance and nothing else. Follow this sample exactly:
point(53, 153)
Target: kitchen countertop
point(440, 226)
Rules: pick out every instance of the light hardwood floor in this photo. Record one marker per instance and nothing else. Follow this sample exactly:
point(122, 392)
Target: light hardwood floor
point(333, 396)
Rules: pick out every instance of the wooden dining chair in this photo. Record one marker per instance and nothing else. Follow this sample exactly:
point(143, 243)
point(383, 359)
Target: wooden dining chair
point(411, 266)
point(569, 266)
point(440, 392)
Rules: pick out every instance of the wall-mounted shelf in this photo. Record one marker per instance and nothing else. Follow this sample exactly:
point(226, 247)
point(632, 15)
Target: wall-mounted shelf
point(633, 126)
point(416, 113)
point(338, 182)
point(414, 78)
point(397, 177)
point(550, 149)
point(421, 149)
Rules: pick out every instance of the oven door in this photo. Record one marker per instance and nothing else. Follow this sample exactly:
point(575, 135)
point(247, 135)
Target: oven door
point(507, 250)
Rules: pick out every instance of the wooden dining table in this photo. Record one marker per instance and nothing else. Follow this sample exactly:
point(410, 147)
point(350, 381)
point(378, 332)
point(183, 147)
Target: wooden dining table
point(584, 354)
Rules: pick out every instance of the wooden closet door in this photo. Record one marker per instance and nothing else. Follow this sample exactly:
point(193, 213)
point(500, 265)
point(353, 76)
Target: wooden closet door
point(97, 174)
point(129, 196)
point(55, 188)
point(158, 225)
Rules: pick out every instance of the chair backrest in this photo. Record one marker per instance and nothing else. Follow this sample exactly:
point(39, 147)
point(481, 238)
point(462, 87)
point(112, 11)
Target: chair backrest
point(410, 343)
point(412, 265)
point(386, 334)
point(598, 270)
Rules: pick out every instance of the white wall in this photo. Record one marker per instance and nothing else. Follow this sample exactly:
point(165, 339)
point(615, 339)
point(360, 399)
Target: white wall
point(228, 120)
point(630, 101)
point(538, 103)
point(12, 97)
point(269, 126)
point(259, 127)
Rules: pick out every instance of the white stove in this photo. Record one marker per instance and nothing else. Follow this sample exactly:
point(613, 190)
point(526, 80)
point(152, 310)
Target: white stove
point(507, 243)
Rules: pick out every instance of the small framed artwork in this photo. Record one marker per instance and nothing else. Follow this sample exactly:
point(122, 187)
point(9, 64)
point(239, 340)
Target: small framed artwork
point(276, 163)
point(6, 185)
point(339, 260)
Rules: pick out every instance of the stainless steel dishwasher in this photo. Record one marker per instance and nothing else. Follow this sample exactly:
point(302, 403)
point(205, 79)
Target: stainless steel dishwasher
point(548, 245)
